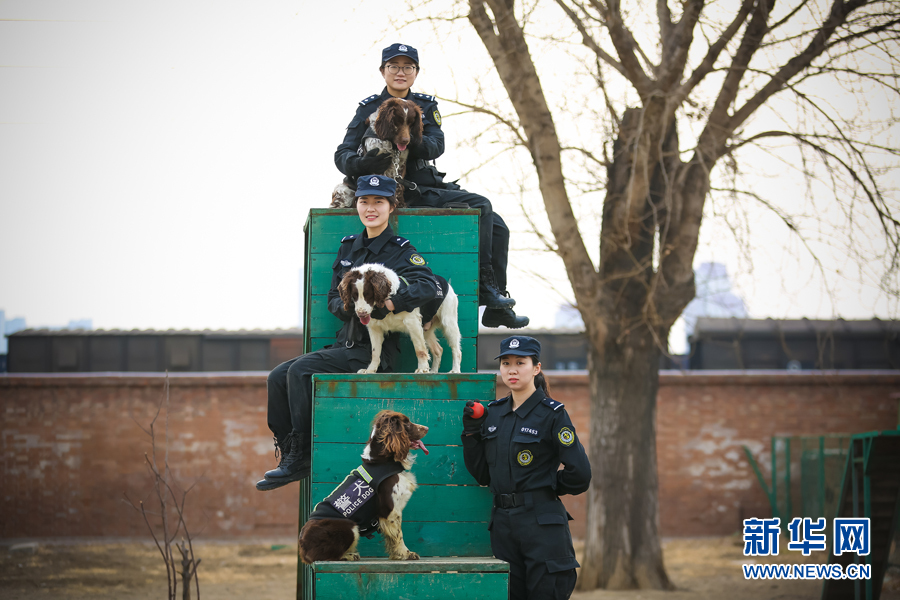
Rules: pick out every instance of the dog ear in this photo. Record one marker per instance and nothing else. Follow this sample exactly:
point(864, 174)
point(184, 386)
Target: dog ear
point(387, 112)
point(396, 440)
point(344, 288)
point(416, 127)
point(377, 289)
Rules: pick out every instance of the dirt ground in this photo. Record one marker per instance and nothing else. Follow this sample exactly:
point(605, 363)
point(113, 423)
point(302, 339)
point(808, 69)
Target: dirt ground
point(701, 568)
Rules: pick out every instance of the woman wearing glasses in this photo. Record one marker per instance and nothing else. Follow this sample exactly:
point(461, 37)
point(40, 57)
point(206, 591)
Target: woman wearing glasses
point(399, 68)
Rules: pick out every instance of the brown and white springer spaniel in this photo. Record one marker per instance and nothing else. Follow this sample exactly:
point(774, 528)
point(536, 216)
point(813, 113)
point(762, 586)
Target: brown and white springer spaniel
point(396, 125)
point(370, 285)
point(373, 496)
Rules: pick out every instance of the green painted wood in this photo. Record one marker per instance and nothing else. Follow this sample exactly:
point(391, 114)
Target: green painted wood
point(327, 325)
point(457, 386)
point(468, 503)
point(426, 233)
point(435, 538)
point(440, 564)
point(442, 465)
point(421, 586)
point(408, 362)
point(460, 269)
point(340, 419)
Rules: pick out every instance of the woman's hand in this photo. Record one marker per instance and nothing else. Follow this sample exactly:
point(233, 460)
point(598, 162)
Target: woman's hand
point(389, 305)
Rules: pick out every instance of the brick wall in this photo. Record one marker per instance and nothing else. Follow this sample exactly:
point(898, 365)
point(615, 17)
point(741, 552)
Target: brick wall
point(72, 445)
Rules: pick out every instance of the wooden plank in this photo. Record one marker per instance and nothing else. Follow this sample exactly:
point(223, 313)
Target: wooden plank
point(442, 465)
point(432, 538)
point(446, 386)
point(422, 586)
point(407, 362)
point(460, 269)
point(426, 233)
point(346, 419)
point(325, 324)
point(472, 564)
point(464, 503)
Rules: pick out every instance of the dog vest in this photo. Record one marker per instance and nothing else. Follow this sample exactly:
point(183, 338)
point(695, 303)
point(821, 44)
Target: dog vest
point(354, 498)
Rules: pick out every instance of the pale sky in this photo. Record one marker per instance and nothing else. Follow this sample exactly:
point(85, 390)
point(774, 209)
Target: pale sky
point(158, 160)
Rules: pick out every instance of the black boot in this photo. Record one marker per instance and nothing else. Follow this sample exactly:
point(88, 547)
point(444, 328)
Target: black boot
point(294, 464)
point(488, 293)
point(495, 317)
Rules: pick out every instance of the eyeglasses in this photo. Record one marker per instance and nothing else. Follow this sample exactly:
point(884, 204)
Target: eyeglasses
point(407, 70)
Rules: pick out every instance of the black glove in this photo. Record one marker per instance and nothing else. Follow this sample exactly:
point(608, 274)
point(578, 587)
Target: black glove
point(372, 163)
point(472, 425)
point(380, 312)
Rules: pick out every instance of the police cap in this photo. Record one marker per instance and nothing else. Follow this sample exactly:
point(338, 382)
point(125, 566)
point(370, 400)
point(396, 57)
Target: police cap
point(375, 185)
point(395, 50)
point(520, 345)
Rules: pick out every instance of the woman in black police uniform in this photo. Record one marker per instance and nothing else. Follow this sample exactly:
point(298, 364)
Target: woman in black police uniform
point(290, 383)
point(516, 448)
point(399, 67)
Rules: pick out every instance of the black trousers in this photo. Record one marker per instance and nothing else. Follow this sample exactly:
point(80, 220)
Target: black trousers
point(537, 544)
point(493, 242)
point(289, 386)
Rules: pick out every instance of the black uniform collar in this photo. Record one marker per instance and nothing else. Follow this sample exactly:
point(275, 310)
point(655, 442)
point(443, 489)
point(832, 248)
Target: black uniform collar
point(533, 400)
point(386, 95)
point(376, 245)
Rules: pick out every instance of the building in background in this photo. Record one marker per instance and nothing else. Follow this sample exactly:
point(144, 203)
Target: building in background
point(714, 297)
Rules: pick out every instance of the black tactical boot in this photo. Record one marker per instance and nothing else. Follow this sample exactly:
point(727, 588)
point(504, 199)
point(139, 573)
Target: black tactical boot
point(294, 464)
point(495, 317)
point(488, 293)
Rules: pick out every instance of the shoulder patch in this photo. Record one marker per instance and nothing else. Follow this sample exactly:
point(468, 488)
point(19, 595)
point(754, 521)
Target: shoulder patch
point(400, 241)
point(365, 101)
point(349, 238)
point(499, 401)
point(566, 436)
point(437, 117)
point(417, 260)
point(554, 404)
point(423, 96)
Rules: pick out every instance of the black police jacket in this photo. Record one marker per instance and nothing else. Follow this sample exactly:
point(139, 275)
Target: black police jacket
point(432, 145)
point(521, 450)
point(417, 286)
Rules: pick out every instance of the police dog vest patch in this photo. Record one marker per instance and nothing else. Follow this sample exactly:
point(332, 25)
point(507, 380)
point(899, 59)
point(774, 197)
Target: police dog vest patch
point(352, 493)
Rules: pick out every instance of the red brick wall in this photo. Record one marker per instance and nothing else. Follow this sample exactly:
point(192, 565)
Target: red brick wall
point(72, 446)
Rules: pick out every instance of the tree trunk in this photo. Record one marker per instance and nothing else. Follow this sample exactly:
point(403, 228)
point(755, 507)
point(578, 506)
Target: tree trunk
point(622, 548)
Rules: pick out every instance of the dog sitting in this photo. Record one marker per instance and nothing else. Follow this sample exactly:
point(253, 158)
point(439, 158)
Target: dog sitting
point(371, 498)
point(368, 286)
point(396, 125)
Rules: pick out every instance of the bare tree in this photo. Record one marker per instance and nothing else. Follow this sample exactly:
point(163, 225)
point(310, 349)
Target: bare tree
point(678, 88)
point(169, 520)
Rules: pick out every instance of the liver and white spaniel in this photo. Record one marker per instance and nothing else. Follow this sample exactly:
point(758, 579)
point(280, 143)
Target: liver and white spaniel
point(371, 499)
point(393, 128)
point(370, 285)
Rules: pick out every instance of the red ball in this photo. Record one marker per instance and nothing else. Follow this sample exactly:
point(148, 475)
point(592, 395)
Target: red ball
point(477, 410)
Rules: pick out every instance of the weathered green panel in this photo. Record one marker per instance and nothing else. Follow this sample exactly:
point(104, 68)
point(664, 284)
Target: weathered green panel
point(434, 538)
point(421, 586)
point(342, 419)
point(426, 233)
point(408, 362)
point(325, 324)
point(461, 270)
point(467, 503)
point(463, 386)
point(443, 464)
point(437, 564)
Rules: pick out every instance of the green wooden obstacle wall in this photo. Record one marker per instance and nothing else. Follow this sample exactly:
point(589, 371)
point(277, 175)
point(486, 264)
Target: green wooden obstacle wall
point(446, 520)
point(447, 238)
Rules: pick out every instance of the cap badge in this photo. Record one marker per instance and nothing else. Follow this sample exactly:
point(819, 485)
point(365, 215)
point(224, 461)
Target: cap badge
point(403, 48)
point(374, 182)
point(514, 343)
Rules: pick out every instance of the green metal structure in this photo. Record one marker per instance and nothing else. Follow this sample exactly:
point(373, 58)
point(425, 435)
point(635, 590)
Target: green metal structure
point(446, 520)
